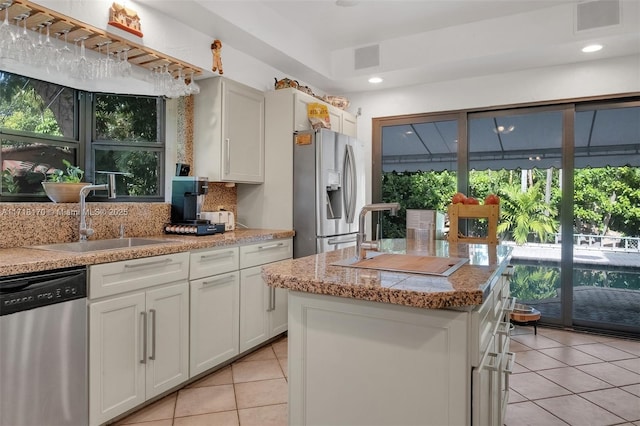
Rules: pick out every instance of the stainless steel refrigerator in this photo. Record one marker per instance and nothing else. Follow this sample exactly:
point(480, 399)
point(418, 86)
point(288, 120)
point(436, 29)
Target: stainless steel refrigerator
point(328, 191)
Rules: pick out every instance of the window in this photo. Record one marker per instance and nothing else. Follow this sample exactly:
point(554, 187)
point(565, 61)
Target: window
point(42, 124)
point(127, 137)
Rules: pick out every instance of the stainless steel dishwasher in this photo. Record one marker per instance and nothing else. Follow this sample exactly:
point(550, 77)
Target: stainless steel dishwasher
point(43, 349)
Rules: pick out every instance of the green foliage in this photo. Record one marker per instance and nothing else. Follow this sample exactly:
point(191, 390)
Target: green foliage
point(9, 183)
point(126, 118)
point(73, 174)
point(607, 198)
point(523, 213)
point(143, 169)
point(483, 183)
point(421, 190)
point(529, 283)
point(23, 108)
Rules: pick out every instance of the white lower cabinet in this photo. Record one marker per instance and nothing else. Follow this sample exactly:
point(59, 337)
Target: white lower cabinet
point(375, 363)
point(214, 321)
point(254, 322)
point(156, 322)
point(263, 309)
point(138, 348)
point(438, 367)
point(215, 307)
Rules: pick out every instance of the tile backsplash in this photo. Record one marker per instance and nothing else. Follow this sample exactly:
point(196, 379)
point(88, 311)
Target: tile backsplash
point(26, 224)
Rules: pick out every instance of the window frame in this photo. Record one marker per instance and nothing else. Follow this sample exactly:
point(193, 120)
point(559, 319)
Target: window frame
point(84, 143)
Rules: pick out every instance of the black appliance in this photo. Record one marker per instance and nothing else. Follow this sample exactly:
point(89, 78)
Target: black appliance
point(187, 198)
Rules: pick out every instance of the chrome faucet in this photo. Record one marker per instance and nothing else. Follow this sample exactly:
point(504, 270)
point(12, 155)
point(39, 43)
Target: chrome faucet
point(362, 245)
point(110, 187)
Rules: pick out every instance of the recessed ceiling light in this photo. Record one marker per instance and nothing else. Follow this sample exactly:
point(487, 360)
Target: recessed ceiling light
point(592, 48)
point(504, 129)
point(375, 80)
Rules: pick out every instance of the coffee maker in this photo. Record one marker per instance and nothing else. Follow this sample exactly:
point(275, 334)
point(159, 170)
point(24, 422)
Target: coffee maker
point(187, 198)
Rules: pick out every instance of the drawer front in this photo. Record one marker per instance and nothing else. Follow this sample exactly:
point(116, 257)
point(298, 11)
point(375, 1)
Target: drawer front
point(206, 263)
point(265, 252)
point(484, 321)
point(120, 277)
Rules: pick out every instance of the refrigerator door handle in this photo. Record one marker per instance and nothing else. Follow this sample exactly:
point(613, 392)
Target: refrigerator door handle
point(350, 195)
point(334, 241)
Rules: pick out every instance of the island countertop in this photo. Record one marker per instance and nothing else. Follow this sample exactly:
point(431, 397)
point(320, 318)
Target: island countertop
point(465, 287)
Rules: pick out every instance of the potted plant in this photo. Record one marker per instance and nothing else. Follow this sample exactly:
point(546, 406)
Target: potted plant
point(64, 187)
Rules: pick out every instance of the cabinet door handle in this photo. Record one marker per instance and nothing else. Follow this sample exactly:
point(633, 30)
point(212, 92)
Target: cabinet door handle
point(270, 247)
point(495, 359)
point(218, 281)
point(227, 161)
point(504, 328)
point(143, 360)
point(152, 312)
point(216, 255)
point(510, 306)
point(272, 299)
point(511, 361)
point(508, 369)
point(273, 305)
point(154, 262)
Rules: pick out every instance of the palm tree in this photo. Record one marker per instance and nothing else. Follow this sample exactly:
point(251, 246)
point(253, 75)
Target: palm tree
point(525, 212)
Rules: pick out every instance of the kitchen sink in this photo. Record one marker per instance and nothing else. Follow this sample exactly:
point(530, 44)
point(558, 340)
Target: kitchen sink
point(98, 245)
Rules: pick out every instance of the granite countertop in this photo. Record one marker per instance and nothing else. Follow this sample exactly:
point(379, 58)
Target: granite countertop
point(467, 286)
point(25, 259)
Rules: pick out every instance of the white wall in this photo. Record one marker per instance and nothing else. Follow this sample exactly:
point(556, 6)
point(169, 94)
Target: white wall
point(585, 79)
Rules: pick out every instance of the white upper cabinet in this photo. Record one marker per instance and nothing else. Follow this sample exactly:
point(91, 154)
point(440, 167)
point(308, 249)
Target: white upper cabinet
point(341, 121)
point(228, 141)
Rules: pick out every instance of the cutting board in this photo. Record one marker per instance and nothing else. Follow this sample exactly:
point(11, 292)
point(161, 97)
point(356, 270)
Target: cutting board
point(430, 265)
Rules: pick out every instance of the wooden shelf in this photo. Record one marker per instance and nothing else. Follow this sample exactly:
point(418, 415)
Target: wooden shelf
point(465, 211)
point(137, 54)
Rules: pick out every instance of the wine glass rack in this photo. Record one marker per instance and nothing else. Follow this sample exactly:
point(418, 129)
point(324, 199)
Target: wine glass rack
point(95, 38)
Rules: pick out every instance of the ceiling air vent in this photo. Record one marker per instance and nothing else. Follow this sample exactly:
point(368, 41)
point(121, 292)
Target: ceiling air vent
point(366, 57)
point(597, 14)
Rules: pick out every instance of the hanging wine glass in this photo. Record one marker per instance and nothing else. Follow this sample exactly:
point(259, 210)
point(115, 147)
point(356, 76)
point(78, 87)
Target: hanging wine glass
point(65, 54)
point(82, 67)
point(7, 36)
point(22, 42)
point(50, 50)
point(38, 54)
point(192, 87)
point(125, 65)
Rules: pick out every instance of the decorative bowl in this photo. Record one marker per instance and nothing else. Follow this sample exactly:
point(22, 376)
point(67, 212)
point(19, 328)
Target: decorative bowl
point(63, 192)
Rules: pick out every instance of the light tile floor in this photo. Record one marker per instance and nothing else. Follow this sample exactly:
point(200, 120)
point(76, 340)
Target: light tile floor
point(560, 378)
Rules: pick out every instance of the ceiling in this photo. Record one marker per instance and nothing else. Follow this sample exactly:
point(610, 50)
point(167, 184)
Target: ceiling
point(417, 41)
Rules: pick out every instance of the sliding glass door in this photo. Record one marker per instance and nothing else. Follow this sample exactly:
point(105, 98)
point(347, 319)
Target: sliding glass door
point(518, 156)
point(568, 176)
point(417, 166)
point(606, 193)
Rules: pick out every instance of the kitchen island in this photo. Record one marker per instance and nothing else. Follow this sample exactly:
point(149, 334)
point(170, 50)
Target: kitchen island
point(372, 347)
